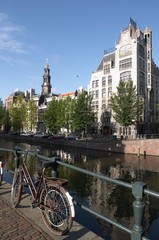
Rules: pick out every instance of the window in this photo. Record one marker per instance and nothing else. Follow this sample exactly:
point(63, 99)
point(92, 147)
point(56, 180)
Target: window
point(109, 91)
point(142, 83)
point(93, 84)
point(95, 105)
point(103, 82)
point(148, 54)
point(125, 76)
point(142, 77)
point(107, 69)
point(103, 92)
point(141, 51)
point(149, 79)
point(112, 64)
point(141, 88)
point(103, 104)
point(142, 64)
point(93, 94)
point(126, 63)
point(109, 80)
point(97, 93)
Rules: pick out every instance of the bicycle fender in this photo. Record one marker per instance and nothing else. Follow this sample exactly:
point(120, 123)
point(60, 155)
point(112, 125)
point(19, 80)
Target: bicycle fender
point(70, 199)
point(1, 167)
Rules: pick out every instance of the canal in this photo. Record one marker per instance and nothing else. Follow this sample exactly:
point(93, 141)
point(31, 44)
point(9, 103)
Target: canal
point(112, 201)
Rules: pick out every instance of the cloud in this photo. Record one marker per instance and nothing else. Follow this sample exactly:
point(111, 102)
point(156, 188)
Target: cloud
point(11, 60)
point(10, 33)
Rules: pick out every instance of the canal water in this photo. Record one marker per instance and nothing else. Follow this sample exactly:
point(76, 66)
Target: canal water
point(110, 200)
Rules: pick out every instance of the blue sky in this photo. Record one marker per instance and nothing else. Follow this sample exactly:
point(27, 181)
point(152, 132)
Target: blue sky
point(71, 34)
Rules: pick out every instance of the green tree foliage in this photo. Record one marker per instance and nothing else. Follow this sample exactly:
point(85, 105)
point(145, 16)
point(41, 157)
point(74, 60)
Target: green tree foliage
point(126, 104)
point(3, 115)
point(68, 107)
point(83, 115)
point(50, 117)
point(31, 116)
point(18, 114)
point(69, 113)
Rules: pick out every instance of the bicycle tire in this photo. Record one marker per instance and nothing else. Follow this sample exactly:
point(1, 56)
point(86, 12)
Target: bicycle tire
point(16, 190)
point(56, 209)
point(1, 179)
point(1, 173)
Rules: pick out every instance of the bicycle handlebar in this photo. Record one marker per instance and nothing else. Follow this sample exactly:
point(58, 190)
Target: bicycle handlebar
point(18, 150)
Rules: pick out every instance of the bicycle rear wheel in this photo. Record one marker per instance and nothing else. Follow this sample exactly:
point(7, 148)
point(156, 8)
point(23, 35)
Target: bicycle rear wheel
point(16, 190)
point(1, 178)
point(1, 172)
point(56, 209)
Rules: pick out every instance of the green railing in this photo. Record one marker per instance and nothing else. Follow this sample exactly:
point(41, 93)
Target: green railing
point(139, 190)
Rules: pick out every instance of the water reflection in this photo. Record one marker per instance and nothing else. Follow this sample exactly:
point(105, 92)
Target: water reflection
point(112, 201)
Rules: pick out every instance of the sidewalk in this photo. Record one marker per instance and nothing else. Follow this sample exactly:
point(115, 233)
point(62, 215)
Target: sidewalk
point(25, 223)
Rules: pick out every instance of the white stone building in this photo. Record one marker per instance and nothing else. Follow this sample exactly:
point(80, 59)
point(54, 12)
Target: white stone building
point(132, 59)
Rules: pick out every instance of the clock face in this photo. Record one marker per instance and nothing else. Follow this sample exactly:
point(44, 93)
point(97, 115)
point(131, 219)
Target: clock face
point(125, 50)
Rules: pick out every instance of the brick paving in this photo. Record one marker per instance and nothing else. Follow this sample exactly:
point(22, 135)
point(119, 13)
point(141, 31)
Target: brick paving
point(25, 223)
point(15, 226)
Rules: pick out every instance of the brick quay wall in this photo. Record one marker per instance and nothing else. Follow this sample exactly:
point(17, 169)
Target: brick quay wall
point(139, 147)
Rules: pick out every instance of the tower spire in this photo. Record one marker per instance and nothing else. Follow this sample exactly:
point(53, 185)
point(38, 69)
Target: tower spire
point(46, 85)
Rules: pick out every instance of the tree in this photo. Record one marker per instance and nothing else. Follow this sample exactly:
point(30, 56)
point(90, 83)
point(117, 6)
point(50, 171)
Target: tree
point(126, 104)
point(83, 116)
point(68, 108)
point(31, 116)
point(18, 114)
point(69, 113)
point(50, 117)
point(3, 115)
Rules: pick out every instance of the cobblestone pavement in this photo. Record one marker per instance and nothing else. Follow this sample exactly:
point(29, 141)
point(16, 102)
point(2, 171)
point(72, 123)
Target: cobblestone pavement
point(15, 226)
point(25, 223)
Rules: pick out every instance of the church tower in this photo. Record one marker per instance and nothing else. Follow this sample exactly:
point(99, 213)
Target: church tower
point(46, 85)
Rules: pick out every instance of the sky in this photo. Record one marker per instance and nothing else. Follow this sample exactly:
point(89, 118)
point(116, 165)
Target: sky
point(71, 35)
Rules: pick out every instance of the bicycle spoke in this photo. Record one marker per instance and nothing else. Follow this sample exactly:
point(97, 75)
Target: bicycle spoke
point(57, 214)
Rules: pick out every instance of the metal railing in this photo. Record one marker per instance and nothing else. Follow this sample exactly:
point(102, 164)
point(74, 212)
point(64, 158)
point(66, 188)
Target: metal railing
point(139, 190)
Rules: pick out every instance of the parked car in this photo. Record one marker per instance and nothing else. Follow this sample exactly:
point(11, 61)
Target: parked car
point(39, 135)
point(58, 136)
point(27, 134)
point(72, 137)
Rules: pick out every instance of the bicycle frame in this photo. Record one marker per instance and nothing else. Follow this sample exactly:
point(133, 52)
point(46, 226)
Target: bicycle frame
point(42, 183)
point(35, 191)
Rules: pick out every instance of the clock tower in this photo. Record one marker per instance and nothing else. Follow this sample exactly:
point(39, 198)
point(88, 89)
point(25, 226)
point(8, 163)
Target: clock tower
point(46, 85)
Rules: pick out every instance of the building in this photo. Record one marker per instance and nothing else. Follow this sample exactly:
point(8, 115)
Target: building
point(41, 100)
point(130, 59)
point(12, 97)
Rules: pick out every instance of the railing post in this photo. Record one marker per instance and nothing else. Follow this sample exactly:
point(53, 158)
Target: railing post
point(54, 170)
point(17, 156)
point(138, 207)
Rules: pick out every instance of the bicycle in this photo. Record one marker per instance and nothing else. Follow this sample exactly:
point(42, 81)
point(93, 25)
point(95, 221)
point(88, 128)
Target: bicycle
point(49, 195)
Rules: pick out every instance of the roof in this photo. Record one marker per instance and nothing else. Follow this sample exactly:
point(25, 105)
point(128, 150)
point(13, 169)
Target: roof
point(107, 58)
point(66, 94)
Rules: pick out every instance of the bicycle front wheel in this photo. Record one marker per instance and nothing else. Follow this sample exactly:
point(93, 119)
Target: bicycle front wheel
point(16, 190)
point(56, 210)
